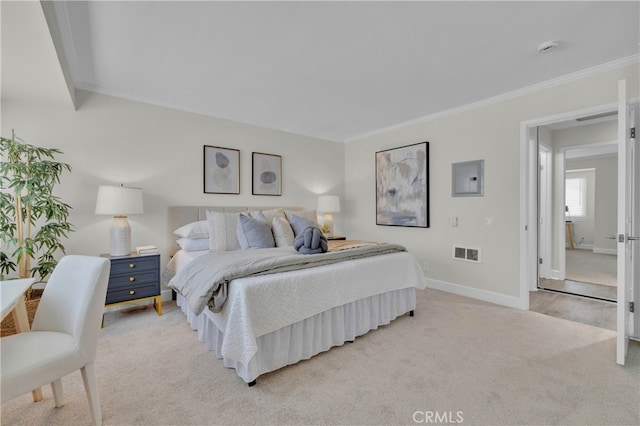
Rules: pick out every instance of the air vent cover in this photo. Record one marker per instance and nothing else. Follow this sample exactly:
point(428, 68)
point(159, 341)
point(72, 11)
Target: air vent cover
point(468, 254)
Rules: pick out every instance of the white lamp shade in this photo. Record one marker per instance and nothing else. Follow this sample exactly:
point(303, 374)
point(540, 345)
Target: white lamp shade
point(119, 201)
point(328, 204)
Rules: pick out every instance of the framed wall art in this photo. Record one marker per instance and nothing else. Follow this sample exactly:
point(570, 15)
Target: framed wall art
point(221, 170)
point(267, 174)
point(402, 186)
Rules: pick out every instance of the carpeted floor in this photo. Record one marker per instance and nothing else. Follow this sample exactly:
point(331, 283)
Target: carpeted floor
point(589, 267)
point(574, 308)
point(461, 359)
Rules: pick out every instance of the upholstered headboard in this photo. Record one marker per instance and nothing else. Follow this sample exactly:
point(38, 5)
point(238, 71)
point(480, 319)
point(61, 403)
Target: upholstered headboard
point(182, 215)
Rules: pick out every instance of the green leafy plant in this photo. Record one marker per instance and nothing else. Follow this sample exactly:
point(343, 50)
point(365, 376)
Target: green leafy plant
point(33, 221)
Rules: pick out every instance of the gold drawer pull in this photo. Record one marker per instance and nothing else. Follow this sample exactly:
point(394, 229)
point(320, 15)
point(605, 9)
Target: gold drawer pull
point(132, 279)
point(132, 292)
point(132, 265)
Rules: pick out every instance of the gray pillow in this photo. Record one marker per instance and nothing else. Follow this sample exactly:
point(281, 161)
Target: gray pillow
point(254, 233)
point(299, 224)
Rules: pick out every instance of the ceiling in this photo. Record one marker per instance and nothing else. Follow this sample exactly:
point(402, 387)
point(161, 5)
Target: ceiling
point(333, 70)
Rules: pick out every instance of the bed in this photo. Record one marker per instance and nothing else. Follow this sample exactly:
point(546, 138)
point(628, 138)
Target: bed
point(273, 319)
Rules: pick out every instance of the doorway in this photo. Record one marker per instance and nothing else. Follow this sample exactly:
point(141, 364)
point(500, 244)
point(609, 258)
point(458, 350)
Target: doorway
point(628, 270)
point(577, 199)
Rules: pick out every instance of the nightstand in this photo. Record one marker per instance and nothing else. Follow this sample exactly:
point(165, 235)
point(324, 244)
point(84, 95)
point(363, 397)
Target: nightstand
point(336, 237)
point(134, 278)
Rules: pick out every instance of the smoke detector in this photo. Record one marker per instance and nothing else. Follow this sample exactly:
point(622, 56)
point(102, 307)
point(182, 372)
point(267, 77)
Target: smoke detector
point(547, 46)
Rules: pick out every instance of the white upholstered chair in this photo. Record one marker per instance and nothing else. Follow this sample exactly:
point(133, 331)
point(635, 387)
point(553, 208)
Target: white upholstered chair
point(64, 335)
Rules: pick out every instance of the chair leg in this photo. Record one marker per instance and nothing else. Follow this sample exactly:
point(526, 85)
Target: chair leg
point(91, 387)
point(58, 395)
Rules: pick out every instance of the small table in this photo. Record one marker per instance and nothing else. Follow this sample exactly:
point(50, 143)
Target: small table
point(134, 278)
point(12, 298)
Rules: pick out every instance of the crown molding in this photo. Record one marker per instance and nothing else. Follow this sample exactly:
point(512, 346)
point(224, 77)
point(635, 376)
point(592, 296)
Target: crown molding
point(578, 75)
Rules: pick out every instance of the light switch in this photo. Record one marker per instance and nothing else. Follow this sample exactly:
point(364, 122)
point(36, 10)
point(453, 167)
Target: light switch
point(453, 221)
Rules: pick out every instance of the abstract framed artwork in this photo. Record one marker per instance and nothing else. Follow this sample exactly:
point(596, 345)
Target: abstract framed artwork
point(267, 174)
point(402, 186)
point(221, 170)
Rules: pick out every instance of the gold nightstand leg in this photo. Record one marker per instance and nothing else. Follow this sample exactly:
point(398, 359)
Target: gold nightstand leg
point(157, 304)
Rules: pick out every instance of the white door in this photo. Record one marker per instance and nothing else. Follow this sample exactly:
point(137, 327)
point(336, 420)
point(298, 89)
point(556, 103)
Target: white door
point(626, 240)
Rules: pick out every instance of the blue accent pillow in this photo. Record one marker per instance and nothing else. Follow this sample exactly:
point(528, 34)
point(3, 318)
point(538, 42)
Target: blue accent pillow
point(299, 224)
point(255, 232)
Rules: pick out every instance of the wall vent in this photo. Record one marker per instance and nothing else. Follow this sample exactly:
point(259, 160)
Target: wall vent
point(468, 254)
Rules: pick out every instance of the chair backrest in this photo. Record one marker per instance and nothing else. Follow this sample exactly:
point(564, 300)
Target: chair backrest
point(73, 301)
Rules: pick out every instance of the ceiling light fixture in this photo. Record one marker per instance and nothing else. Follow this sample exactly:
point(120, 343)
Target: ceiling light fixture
point(547, 46)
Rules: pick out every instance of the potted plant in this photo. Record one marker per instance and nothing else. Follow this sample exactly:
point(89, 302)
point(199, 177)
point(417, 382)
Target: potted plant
point(33, 222)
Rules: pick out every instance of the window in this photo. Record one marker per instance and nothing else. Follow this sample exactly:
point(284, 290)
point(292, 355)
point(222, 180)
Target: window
point(575, 196)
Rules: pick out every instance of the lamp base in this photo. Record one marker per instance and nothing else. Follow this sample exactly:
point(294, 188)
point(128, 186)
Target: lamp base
point(328, 224)
point(120, 234)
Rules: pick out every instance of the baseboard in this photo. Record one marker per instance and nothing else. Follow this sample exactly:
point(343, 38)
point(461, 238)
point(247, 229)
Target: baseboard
point(475, 293)
point(556, 275)
point(605, 250)
point(584, 246)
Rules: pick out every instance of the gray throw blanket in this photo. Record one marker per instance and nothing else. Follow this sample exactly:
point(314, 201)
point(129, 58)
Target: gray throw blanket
point(311, 241)
point(204, 280)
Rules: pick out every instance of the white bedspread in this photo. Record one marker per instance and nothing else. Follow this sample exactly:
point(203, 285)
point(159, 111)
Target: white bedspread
point(260, 305)
point(204, 281)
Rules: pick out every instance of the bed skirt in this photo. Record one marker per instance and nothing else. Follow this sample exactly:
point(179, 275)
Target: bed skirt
point(308, 337)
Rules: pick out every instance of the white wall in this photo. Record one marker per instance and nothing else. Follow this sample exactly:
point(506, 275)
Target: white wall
point(583, 227)
point(111, 141)
point(491, 133)
point(606, 176)
point(603, 211)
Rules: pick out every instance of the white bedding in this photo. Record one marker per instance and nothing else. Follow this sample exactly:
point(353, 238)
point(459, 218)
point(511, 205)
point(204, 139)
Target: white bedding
point(249, 312)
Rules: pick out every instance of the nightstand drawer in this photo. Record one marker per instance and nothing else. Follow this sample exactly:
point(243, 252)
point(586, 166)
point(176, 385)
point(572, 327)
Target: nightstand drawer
point(130, 293)
point(132, 265)
point(134, 279)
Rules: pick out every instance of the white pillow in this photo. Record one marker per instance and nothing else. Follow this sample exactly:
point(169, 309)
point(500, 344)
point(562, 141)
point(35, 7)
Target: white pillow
point(193, 244)
point(282, 232)
point(223, 231)
point(199, 229)
point(267, 214)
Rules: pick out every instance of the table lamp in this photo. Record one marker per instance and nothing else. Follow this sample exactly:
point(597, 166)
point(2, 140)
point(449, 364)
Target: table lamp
point(328, 204)
point(119, 202)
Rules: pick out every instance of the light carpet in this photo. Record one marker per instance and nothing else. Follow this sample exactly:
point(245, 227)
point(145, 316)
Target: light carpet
point(459, 358)
point(589, 267)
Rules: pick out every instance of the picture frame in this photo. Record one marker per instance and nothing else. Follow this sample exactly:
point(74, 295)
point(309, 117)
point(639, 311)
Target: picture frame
point(266, 174)
point(221, 170)
point(467, 179)
point(402, 186)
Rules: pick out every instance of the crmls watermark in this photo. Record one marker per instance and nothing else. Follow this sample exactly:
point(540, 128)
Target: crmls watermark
point(438, 417)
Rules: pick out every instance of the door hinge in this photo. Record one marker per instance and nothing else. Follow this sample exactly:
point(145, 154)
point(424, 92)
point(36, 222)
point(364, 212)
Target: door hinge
point(632, 133)
point(632, 307)
point(540, 260)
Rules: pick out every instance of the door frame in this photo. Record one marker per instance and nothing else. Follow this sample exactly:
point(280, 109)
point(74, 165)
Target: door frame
point(529, 200)
point(545, 232)
point(529, 194)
